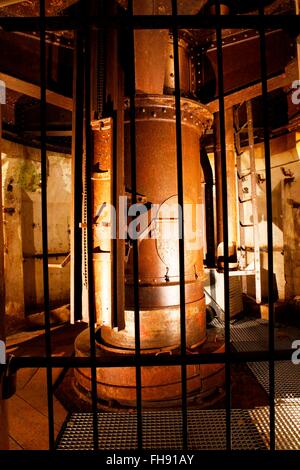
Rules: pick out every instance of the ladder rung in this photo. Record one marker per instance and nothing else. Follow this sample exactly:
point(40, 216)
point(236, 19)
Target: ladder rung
point(242, 272)
point(240, 177)
point(245, 200)
point(238, 131)
point(246, 225)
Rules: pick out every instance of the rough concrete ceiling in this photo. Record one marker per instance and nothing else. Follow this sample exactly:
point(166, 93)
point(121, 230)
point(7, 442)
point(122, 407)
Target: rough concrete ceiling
point(31, 8)
point(192, 7)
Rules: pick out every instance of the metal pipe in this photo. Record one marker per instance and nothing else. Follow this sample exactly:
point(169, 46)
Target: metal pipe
point(218, 183)
point(209, 208)
point(232, 194)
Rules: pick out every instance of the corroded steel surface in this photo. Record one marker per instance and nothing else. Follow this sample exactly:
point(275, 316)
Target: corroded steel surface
point(157, 182)
point(160, 384)
point(160, 328)
point(189, 65)
point(102, 198)
point(158, 241)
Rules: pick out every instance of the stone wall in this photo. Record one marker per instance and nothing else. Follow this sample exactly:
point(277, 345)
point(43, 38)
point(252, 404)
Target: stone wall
point(285, 163)
point(23, 227)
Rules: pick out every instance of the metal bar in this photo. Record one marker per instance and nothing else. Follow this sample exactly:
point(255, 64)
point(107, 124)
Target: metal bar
point(225, 224)
point(4, 444)
point(263, 61)
point(114, 79)
point(69, 23)
point(180, 230)
point(89, 217)
point(135, 241)
point(43, 117)
point(77, 152)
point(254, 204)
point(146, 361)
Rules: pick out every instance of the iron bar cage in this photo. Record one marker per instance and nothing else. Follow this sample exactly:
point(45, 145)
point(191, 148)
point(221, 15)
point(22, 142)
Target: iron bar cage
point(82, 24)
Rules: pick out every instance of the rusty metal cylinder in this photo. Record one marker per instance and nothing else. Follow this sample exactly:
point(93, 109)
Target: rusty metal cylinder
point(157, 230)
point(159, 287)
point(159, 274)
point(189, 65)
point(161, 385)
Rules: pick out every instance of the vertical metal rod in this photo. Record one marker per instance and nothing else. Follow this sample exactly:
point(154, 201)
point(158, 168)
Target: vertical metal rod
point(135, 242)
point(89, 211)
point(181, 230)
point(263, 61)
point(43, 117)
point(114, 89)
point(4, 444)
point(225, 226)
point(77, 152)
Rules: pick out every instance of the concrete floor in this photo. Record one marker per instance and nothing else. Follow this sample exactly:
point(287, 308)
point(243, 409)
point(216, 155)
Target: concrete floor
point(28, 408)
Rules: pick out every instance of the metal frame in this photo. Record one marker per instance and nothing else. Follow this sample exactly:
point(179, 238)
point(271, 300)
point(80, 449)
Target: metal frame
point(245, 271)
point(82, 25)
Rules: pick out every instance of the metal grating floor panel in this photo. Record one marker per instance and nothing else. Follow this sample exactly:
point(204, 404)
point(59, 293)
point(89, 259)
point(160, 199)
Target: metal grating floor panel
point(252, 335)
point(287, 424)
point(162, 430)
